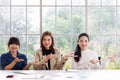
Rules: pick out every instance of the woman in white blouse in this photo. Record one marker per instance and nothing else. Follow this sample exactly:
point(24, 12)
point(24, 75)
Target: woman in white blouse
point(86, 59)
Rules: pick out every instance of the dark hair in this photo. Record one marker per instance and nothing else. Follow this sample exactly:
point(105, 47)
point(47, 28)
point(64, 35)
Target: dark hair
point(78, 49)
point(13, 40)
point(47, 33)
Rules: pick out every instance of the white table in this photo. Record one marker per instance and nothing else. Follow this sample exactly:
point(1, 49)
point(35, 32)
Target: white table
point(61, 75)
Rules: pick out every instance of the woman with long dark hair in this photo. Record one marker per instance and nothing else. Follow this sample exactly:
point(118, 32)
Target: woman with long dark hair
point(86, 59)
point(48, 57)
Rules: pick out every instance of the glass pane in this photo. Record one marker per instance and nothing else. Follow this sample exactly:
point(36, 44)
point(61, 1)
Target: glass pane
point(64, 43)
point(109, 48)
point(108, 45)
point(4, 20)
point(23, 45)
point(63, 20)
point(78, 20)
point(118, 2)
point(94, 18)
point(118, 21)
point(4, 41)
point(117, 49)
point(33, 2)
point(48, 17)
point(74, 39)
point(94, 2)
point(108, 20)
point(108, 2)
point(18, 2)
point(78, 2)
point(63, 2)
point(4, 2)
point(18, 20)
point(33, 44)
point(48, 2)
point(33, 20)
point(95, 43)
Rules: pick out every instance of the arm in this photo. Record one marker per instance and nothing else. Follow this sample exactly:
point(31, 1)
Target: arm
point(95, 63)
point(73, 64)
point(27, 66)
point(64, 59)
point(40, 63)
point(12, 64)
point(60, 62)
point(105, 60)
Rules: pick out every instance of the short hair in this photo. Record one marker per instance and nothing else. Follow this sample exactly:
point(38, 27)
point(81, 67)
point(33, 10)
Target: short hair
point(13, 40)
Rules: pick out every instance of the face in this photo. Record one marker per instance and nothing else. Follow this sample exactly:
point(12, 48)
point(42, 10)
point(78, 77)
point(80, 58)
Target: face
point(83, 42)
point(47, 41)
point(13, 47)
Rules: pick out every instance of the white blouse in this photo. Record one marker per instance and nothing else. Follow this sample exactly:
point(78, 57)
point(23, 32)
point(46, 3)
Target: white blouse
point(84, 63)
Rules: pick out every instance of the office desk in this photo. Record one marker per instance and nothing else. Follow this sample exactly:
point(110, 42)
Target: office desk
point(61, 75)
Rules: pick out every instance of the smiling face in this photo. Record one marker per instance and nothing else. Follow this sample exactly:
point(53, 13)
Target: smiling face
point(83, 42)
point(13, 47)
point(47, 41)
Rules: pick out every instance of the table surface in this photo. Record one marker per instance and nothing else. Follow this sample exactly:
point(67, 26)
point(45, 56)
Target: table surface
point(60, 75)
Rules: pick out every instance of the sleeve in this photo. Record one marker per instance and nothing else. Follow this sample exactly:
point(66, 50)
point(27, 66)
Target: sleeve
point(97, 65)
point(24, 62)
point(73, 65)
point(60, 61)
point(78, 66)
point(40, 61)
point(3, 61)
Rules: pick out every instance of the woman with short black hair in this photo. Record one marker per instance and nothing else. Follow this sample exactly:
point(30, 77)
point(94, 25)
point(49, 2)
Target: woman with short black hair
point(14, 60)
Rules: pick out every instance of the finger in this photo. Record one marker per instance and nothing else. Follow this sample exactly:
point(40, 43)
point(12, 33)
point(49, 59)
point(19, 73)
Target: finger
point(21, 59)
point(75, 56)
point(32, 63)
point(72, 56)
point(16, 58)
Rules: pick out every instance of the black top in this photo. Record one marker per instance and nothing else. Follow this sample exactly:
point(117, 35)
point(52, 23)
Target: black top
point(47, 52)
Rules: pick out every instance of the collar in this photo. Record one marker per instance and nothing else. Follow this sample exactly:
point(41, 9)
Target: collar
point(18, 54)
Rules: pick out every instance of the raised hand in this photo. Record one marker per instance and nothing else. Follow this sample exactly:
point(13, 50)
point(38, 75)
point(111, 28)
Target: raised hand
point(18, 60)
point(33, 62)
point(51, 56)
point(112, 57)
point(71, 55)
point(93, 61)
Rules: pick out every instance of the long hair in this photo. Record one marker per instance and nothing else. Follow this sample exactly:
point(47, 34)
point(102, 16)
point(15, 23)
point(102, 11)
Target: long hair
point(78, 49)
point(47, 33)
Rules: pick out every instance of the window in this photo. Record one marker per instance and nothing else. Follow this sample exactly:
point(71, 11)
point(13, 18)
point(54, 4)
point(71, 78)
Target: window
point(66, 19)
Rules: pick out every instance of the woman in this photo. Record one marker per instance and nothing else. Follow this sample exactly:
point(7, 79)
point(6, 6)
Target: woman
point(14, 60)
point(86, 59)
point(48, 57)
